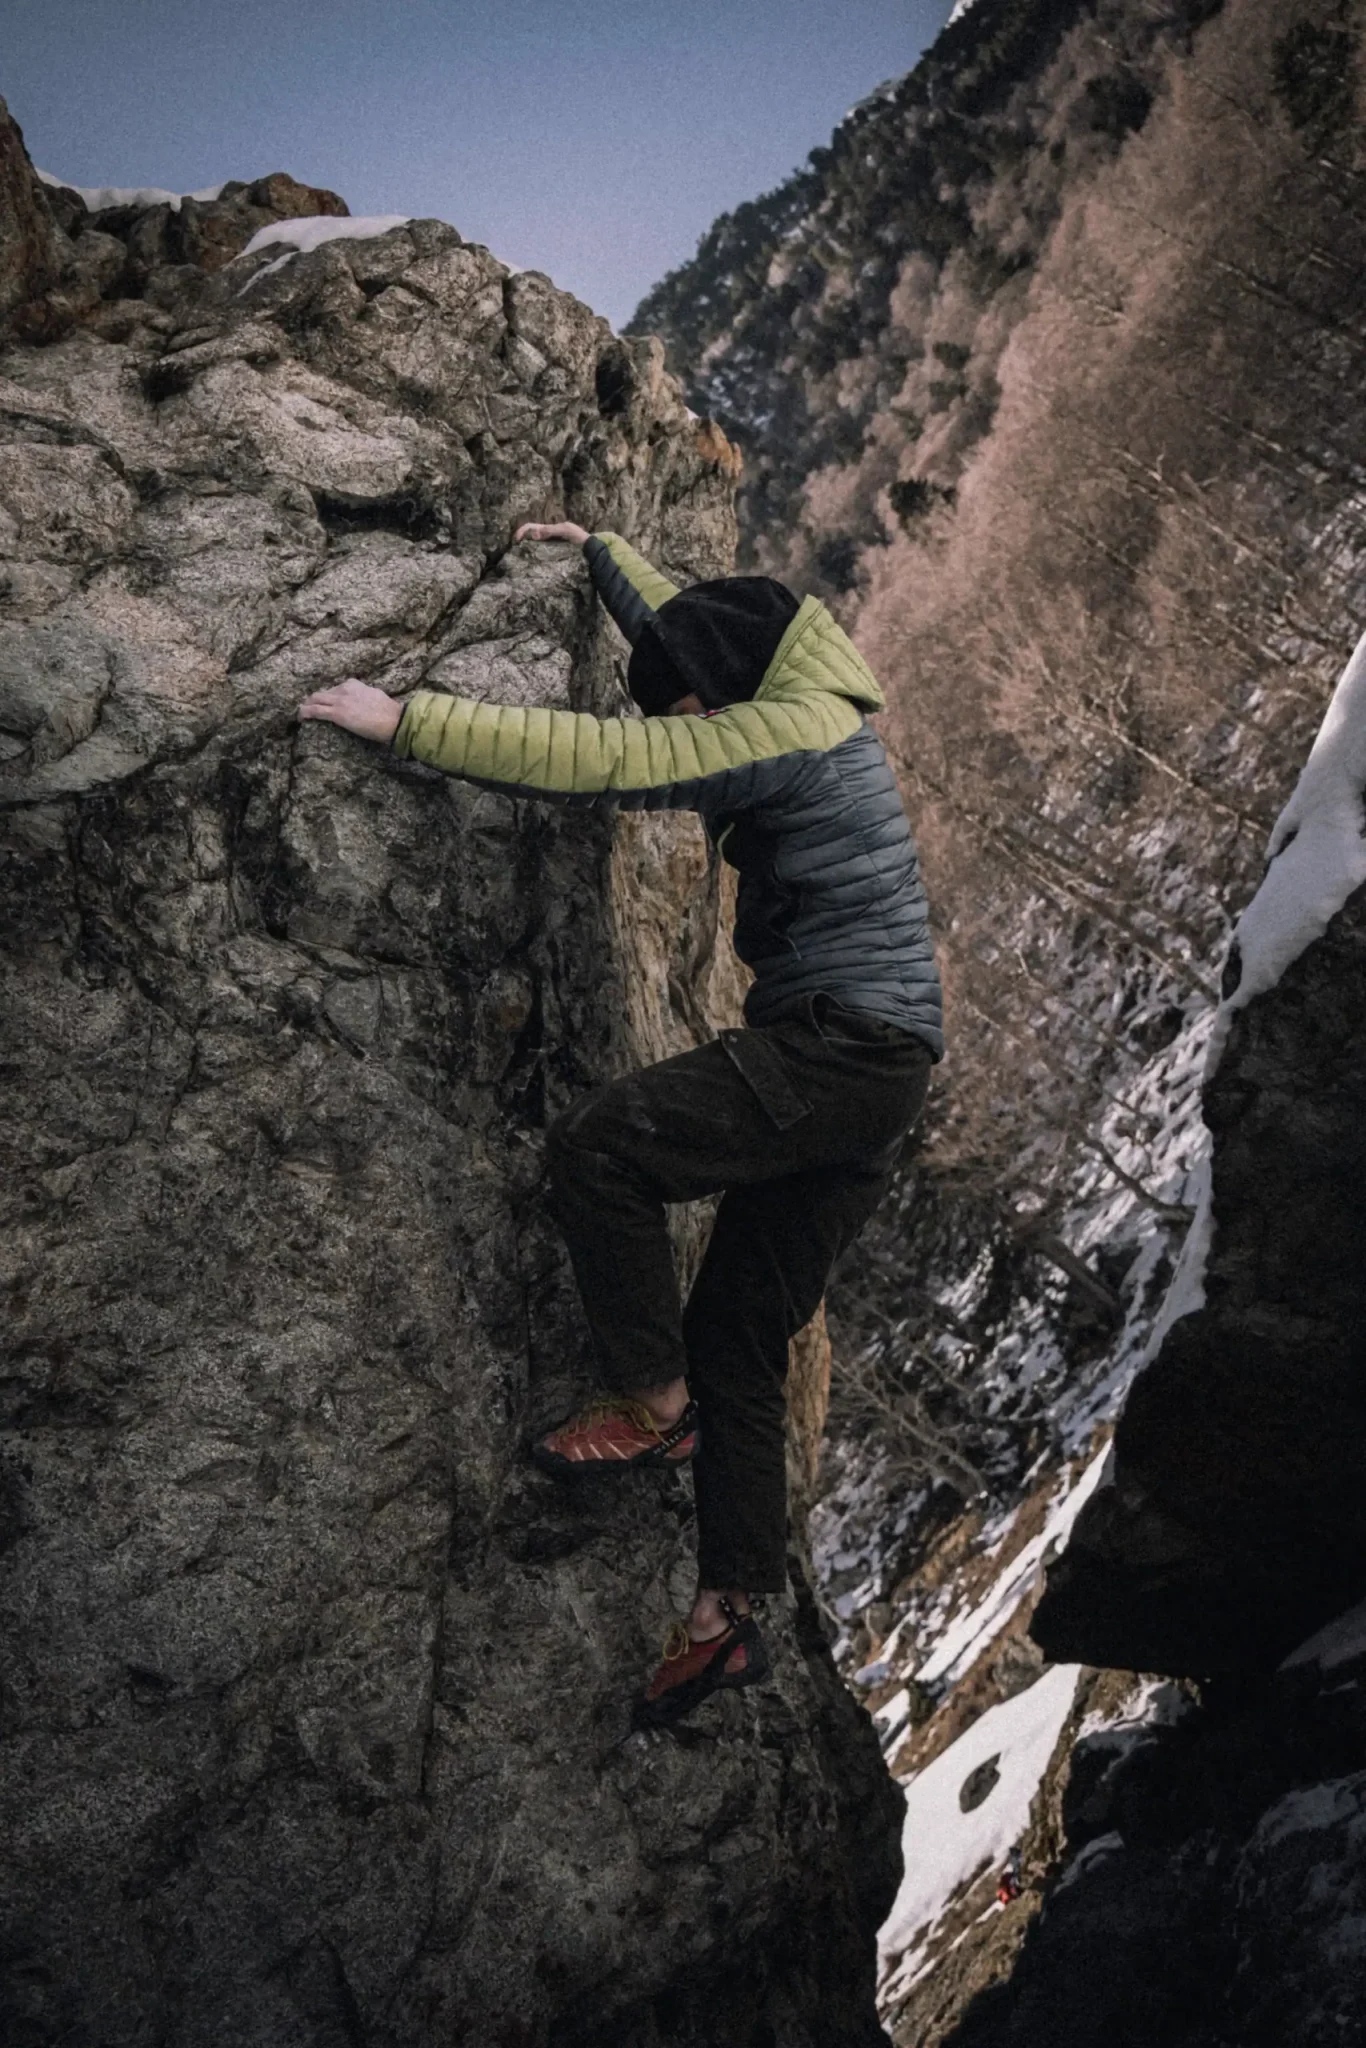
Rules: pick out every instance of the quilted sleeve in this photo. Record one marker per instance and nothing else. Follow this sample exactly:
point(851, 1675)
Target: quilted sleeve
point(736, 757)
point(630, 587)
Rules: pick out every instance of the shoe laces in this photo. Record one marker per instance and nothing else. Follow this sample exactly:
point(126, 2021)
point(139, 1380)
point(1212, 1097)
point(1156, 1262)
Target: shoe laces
point(677, 1642)
point(679, 1639)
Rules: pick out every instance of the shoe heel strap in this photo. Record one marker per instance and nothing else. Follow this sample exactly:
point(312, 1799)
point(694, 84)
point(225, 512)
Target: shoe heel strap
point(676, 1431)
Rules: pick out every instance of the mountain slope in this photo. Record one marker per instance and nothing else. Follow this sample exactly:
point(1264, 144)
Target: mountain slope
point(1049, 378)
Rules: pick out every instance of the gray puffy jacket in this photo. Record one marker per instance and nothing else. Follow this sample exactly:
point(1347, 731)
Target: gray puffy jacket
point(793, 786)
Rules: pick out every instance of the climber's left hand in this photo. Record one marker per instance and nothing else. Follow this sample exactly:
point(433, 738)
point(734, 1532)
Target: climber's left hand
point(357, 707)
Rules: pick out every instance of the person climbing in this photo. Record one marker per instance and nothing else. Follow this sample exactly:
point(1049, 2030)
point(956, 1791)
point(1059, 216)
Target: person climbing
point(755, 716)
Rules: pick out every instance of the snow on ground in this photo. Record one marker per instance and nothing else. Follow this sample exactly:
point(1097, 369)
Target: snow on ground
point(1317, 852)
point(1155, 1137)
point(891, 1717)
point(98, 197)
point(1170, 1160)
point(964, 1640)
point(946, 1848)
point(299, 236)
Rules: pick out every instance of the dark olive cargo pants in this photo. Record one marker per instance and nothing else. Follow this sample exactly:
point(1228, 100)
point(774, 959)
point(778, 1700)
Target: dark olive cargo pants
point(797, 1125)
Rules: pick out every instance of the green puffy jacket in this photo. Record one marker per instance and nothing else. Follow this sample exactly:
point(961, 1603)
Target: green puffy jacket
point(793, 786)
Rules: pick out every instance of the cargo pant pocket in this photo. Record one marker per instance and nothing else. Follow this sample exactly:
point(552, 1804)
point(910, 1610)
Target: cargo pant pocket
point(760, 1063)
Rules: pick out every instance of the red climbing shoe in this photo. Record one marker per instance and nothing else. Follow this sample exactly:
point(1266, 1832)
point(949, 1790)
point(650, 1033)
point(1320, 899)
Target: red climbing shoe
point(692, 1672)
point(611, 1435)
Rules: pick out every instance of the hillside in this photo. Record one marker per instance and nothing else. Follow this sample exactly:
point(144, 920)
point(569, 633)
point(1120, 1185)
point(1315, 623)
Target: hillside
point(1046, 375)
point(1039, 375)
point(802, 314)
point(1036, 371)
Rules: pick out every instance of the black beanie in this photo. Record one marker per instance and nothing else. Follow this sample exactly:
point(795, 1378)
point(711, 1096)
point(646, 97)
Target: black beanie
point(713, 641)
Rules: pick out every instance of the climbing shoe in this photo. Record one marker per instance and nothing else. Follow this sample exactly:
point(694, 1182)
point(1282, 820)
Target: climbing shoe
point(611, 1435)
point(691, 1672)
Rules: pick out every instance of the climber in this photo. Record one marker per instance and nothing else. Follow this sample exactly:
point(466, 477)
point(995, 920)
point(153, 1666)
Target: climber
point(755, 716)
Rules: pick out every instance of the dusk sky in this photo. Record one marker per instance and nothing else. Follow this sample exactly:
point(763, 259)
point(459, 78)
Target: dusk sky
point(593, 139)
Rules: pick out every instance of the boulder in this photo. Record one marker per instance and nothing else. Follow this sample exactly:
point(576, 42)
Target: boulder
point(1236, 1524)
point(314, 1714)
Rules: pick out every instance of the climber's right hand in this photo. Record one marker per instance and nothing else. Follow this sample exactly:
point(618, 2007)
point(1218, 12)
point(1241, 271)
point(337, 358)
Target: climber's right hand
point(565, 529)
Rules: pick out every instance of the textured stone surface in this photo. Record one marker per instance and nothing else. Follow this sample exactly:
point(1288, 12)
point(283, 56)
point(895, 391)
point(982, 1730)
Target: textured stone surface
point(1237, 1521)
point(314, 1702)
point(1214, 1889)
point(1215, 1894)
point(30, 246)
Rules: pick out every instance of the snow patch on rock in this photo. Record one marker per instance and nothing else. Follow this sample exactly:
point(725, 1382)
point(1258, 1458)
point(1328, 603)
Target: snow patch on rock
point(1311, 1809)
point(1098, 1851)
point(299, 236)
point(1341, 1642)
point(1152, 1703)
point(1317, 851)
point(1316, 861)
point(946, 1848)
point(98, 197)
point(1187, 1291)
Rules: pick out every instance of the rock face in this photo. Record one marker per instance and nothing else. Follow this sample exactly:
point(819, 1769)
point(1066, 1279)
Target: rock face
point(30, 249)
point(1214, 1877)
point(1237, 1521)
point(314, 1700)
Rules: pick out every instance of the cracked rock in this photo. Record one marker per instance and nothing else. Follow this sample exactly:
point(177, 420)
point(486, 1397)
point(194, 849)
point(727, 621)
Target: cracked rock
point(313, 1722)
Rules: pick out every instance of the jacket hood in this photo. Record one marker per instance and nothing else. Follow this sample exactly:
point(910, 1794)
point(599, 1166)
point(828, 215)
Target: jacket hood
point(715, 640)
point(816, 654)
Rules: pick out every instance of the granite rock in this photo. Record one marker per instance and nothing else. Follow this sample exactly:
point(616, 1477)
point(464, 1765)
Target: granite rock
point(314, 1709)
point(1236, 1524)
point(30, 240)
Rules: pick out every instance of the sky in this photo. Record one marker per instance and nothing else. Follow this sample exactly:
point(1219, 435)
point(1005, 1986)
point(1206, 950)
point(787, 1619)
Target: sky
point(593, 139)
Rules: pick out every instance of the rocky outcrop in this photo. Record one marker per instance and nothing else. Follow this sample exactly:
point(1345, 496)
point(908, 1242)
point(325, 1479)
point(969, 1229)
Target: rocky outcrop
point(314, 1705)
point(1227, 1839)
point(1236, 1524)
point(65, 260)
point(30, 246)
point(117, 248)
